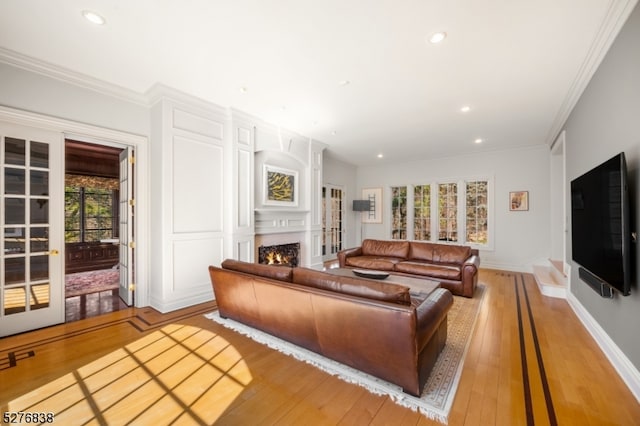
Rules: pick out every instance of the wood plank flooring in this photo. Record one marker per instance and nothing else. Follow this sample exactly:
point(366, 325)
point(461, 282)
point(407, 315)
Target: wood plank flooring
point(530, 362)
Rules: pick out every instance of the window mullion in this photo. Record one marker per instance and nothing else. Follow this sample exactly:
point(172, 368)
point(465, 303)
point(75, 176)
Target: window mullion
point(82, 215)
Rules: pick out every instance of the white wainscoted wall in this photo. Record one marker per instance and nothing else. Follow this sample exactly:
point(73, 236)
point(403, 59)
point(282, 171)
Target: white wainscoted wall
point(240, 187)
point(187, 215)
point(207, 204)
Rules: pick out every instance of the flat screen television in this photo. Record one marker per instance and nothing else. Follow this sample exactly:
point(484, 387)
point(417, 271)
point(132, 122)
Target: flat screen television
point(600, 234)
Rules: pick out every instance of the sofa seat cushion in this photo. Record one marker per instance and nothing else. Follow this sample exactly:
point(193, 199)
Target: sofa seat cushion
point(276, 272)
point(373, 262)
point(449, 272)
point(370, 289)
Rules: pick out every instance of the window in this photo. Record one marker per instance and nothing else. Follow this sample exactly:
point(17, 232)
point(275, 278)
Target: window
point(422, 212)
point(453, 211)
point(448, 212)
point(477, 216)
point(90, 210)
point(399, 212)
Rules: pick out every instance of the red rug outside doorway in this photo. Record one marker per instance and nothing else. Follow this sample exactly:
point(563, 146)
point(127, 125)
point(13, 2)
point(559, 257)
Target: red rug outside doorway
point(91, 282)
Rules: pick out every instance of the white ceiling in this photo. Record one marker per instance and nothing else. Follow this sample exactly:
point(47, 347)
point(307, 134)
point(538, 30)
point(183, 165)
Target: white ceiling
point(518, 64)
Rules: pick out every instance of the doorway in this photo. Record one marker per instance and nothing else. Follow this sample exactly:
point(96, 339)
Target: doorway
point(94, 223)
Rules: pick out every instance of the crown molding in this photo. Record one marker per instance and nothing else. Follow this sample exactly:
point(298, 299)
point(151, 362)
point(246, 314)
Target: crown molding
point(159, 92)
point(148, 99)
point(66, 75)
point(617, 15)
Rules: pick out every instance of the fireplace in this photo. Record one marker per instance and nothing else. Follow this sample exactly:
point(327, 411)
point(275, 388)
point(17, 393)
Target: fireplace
point(279, 254)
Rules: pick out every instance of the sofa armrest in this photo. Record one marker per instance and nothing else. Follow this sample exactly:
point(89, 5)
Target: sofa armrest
point(430, 314)
point(470, 275)
point(343, 254)
point(473, 260)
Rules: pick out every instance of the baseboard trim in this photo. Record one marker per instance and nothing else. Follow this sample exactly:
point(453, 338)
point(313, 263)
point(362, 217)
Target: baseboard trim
point(625, 369)
point(164, 306)
point(506, 267)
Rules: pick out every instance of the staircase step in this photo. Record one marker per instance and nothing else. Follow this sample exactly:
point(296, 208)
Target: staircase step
point(549, 283)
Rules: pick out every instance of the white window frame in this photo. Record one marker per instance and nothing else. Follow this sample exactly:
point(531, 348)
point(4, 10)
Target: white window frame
point(461, 216)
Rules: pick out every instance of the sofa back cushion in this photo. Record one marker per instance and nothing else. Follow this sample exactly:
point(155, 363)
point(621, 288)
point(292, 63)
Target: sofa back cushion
point(398, 249)
point(276, 272)
point(421, 251)
point(369, 289)
point(445, 253)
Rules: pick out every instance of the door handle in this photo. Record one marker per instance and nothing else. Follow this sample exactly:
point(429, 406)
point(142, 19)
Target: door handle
point(53, 252)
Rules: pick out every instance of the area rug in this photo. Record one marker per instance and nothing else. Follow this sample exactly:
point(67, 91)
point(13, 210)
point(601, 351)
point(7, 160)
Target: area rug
point(91, 282)
point(439, 392)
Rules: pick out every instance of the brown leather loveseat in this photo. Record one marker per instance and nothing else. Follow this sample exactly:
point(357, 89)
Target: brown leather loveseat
point(375, 327)
point(454, 266)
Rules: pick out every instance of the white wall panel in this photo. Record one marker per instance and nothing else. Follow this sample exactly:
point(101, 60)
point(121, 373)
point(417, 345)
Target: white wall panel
point(197, 186)
point(191, 259)
point(244, 137)
point(244, 250)
point(244, 170)
point(184, 120)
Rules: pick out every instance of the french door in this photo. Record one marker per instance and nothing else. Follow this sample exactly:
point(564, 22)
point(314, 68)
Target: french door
point(333, 215)
point(31, 201)
point(127, 244)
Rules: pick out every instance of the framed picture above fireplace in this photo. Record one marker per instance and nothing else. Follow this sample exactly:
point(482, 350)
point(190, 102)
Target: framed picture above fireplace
point(280, 186)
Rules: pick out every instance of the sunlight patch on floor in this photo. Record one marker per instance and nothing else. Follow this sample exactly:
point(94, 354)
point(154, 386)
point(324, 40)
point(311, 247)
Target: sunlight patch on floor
point(178, 372)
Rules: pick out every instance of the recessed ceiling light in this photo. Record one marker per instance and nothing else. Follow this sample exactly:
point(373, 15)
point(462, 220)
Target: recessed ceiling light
point(465, 108)
point(380, 155)
point(93, 17)
point(438, 37)
point(244, 89)
point(344, 83)
point(479, 140)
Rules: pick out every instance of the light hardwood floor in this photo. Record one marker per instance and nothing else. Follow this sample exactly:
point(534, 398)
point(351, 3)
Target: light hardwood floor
point(184, 367)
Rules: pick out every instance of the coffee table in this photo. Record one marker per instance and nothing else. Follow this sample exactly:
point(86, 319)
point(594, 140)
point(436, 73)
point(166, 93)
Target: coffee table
point(420, 286)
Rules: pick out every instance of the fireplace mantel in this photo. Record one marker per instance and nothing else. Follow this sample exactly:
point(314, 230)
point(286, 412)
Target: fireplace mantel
point(276, 221)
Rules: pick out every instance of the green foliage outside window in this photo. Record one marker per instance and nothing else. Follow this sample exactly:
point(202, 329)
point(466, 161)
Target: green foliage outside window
point(448, 212)
point(89, 214)
point(476, 205)
point(399, 212)
point(422, 212)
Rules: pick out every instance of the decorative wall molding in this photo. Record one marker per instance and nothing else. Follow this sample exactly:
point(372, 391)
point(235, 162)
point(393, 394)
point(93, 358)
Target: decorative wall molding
point(619, 11)
point(66, 75)
point(280, 221)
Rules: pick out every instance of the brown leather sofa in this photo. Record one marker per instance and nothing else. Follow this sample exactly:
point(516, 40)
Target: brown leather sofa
point(454, 266)
point(375, 327)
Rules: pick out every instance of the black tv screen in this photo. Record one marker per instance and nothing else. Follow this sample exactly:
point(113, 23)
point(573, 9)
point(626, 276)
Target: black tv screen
point(600, 234)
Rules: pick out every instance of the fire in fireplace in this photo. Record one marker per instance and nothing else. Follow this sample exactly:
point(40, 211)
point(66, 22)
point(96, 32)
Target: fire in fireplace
point(280, 254)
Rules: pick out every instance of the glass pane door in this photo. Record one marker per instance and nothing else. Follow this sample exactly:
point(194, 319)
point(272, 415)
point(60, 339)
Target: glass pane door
point(30, 268)
point(333, 201)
